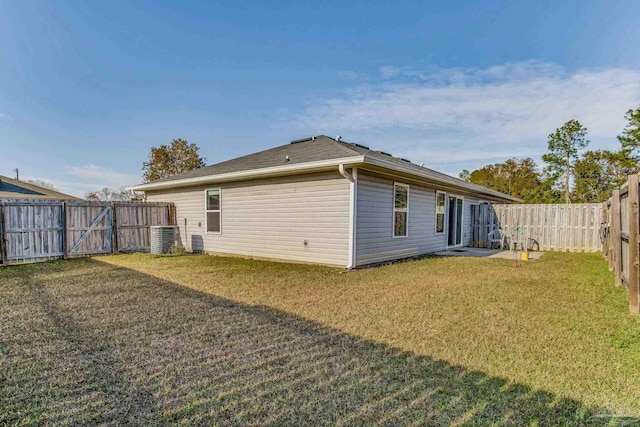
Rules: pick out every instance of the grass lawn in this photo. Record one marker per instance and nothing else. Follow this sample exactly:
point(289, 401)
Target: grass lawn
point(133, 339)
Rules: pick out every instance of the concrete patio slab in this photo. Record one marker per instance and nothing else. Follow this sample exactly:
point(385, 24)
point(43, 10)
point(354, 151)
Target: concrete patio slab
point(487, 253)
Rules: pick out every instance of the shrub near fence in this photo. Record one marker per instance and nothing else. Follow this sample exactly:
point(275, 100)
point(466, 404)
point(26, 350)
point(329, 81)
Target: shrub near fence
point(41, 230)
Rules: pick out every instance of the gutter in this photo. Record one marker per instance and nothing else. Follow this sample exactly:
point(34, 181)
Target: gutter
point(353, 206)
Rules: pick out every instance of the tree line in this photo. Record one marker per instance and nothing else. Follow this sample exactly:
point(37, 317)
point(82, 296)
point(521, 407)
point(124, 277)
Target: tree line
point(569, 174)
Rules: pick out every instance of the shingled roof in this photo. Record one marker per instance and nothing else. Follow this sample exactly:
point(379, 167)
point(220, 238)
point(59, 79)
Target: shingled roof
point(303, 151)
point(311, 151)
point(15, 189)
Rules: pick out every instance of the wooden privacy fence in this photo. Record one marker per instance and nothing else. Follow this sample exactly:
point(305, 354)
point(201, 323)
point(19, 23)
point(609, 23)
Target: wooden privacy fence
point(621, 237)
point(554, 227)
point(41, 230)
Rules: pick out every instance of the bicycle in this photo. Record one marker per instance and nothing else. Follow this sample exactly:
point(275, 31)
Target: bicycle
point(526, 244)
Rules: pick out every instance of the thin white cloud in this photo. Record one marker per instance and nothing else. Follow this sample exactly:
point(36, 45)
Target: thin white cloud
point(103, 176)
point(348, 74)
point(389, 71)
point(100, 177)
point(5, 116)
point(444, 115)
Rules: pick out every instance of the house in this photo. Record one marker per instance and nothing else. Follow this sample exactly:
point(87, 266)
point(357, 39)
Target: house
point(321, 200)
point(15, 189)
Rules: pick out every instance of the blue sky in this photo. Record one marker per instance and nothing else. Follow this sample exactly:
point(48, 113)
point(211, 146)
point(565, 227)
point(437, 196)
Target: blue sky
point(86, 88)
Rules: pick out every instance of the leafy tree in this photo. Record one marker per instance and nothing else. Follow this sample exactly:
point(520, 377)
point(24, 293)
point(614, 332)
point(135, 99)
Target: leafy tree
point(595, 176)
point(172, 159)
point(92, 196)
point(630, 138)
point(548, 191)
point(598, 172)
point(519, 178)
point(465, 175)
point(629, 154)
point(564, 145)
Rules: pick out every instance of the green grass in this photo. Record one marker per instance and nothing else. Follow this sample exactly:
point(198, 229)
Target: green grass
point(137, 339)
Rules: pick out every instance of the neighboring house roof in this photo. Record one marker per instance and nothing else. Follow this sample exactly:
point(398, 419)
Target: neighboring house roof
point(315, 154)
point(14, 189)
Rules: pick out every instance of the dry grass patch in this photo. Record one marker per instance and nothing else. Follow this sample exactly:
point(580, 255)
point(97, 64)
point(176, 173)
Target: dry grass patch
point(200, 339)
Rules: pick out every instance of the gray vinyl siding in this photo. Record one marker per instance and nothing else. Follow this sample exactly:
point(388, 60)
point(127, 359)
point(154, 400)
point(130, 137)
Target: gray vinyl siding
point(270, 218)
point(374, 223)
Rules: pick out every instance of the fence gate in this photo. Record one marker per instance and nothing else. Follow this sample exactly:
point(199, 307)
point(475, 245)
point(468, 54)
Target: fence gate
point(483, 222)
point(31, 231)
point(40, 230)
point(89, 229)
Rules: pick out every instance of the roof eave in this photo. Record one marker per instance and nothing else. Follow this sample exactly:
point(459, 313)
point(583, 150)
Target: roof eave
point(274, 171)
point(487, 193)
point(310, 167)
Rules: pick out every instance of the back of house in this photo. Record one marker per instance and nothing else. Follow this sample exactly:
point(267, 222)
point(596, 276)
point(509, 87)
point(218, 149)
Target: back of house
point(321, 200)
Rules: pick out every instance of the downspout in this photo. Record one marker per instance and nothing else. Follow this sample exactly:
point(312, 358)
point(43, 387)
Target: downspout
point(353, 197)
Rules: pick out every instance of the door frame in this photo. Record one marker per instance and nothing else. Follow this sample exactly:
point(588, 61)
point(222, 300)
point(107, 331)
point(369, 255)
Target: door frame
point(447, 222)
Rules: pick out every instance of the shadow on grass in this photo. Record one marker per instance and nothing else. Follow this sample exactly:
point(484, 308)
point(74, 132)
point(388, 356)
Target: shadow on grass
point(91, 343)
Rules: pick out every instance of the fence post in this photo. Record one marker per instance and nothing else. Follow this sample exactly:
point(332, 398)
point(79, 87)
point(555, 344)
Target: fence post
point(605, 242)
point(173, 219)
point(3, 236)
point(615, 236)
point(114, 229)
point(606, 246)
point(63, 219)
point(634, 230)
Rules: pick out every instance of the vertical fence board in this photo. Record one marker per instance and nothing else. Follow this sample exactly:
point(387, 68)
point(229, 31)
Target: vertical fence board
point(616, 236)
point(633, 260)
point(3, 236)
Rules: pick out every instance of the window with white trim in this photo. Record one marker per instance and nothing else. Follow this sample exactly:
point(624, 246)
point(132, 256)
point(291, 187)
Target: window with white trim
point(400, 210)
point(441, 209)
point(212, 202)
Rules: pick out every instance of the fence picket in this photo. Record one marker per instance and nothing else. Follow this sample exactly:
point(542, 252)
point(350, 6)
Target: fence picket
point(554, 227)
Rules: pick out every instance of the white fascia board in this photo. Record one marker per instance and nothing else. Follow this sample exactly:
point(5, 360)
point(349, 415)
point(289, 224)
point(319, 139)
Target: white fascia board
point(252, 173)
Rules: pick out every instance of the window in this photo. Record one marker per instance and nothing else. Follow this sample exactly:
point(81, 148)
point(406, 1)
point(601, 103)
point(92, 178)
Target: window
point(440, 211)
point(400, 210)
point(212, 200)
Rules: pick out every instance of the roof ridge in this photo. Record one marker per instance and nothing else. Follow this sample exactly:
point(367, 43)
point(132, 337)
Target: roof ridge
point(344, 146)
point(333, 145)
